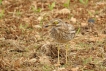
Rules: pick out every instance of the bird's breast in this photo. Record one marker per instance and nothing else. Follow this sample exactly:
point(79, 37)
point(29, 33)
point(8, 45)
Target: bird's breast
point(60, 36)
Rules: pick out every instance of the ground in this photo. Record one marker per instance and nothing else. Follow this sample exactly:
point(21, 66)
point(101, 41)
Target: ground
point(25, 44)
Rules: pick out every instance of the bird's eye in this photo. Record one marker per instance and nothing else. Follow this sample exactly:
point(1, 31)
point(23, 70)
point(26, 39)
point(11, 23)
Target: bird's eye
point(55, 22)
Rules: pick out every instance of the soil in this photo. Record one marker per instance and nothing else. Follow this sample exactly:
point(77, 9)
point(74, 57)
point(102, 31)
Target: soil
point(25, 44)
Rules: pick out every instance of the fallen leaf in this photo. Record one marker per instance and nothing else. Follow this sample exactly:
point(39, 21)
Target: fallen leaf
point(44, 59)
point(40, 18)
point(75, 69)
point(64, 11)
point(84, 24)
point(73, 20)
point(33, 60)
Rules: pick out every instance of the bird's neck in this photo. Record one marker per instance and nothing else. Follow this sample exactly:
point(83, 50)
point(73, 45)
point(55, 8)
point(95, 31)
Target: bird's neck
point(54, 30)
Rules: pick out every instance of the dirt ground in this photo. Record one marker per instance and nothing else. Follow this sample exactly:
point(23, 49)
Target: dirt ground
point(25, 44)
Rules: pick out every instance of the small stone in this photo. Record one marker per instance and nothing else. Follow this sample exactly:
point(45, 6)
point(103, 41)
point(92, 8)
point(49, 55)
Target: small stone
point(91, 20)
point(33, 60)
point(73, 19)
point(84, 24)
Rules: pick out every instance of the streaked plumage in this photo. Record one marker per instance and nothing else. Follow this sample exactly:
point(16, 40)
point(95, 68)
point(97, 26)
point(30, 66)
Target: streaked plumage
point(61, 32)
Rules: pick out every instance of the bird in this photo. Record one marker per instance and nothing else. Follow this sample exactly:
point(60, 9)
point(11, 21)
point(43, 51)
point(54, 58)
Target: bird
point(61, 32)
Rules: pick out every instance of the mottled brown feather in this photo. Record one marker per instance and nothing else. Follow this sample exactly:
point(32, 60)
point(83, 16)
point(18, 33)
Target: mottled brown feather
point(61, 32)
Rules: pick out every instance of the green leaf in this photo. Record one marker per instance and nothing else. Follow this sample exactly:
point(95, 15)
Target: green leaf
point(18, 13)
point(36, 10)
point(84, 1)
point(1, 13)
point(78, 30)
point(21, 26)
point(52, 6)
point(67, 4)
point(0, 2)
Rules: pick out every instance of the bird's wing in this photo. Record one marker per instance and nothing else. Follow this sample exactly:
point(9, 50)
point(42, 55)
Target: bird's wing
point(68, 28)
point(71, 28)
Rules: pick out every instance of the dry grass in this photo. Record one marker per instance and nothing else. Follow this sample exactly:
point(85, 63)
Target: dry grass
point(26, 46)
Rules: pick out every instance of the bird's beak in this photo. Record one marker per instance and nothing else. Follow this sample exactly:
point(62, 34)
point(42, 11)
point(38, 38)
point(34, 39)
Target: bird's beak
point(49, 25)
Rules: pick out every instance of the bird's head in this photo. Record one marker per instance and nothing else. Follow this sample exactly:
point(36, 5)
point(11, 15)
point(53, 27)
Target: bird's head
point(55, 23)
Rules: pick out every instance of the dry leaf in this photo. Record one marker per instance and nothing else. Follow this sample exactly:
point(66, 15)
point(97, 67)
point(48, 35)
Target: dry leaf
point(44, 60)
point(40, 18)
point(84, 24)
point(2, 39)
point(27, 20)
point(63, 1)
point(73, 20)
point(17, 63)
point(34, 4)
point(37, 27)
point(64, 11)
point(5, 2)
point(75, 69)
point(62, 69)
point(33, 60)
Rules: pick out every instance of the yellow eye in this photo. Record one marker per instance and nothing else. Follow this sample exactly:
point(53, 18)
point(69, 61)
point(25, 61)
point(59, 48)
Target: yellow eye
point(56, 22)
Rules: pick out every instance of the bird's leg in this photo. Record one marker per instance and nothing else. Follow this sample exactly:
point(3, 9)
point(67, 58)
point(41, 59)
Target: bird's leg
point(58, 55)
point(66, 53)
